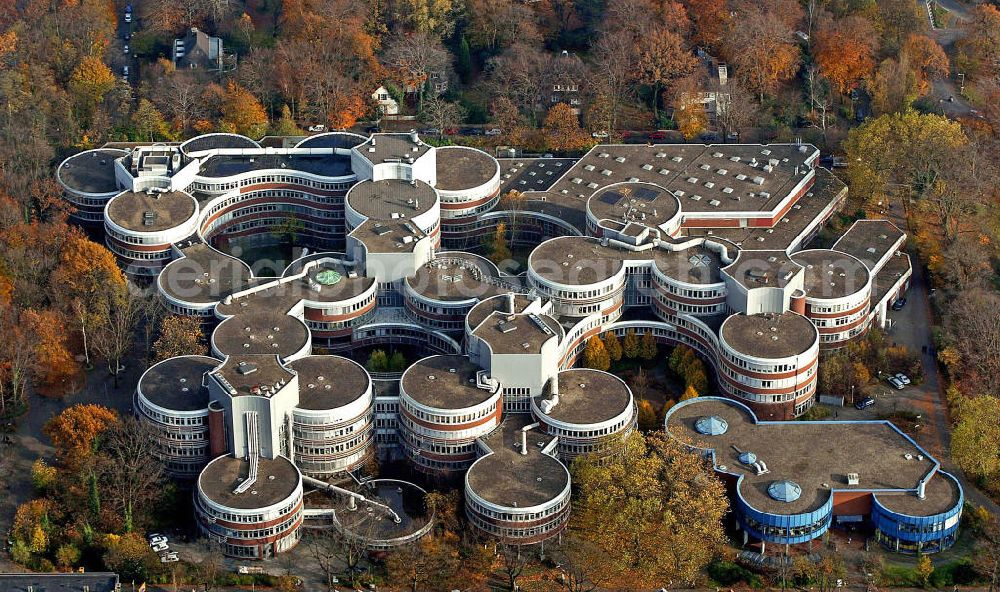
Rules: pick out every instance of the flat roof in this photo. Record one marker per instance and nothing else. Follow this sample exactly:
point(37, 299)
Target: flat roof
point(261, 332)
point(706, 178)
point(763, 269)
point(888, 275)
point(176, 383)
point(380, 200)
point(588, 397)
point(647, 204)
point(246, 372)
point(869, 240)
point(222, 475)
point(329, 382)
point(831, 274)
point(388, 236)
point(227, 165)
point(817, 455)
point(444, 382)
point(456, 276)
point(522, 334)
point(392, 147)
point(532, 174)
point(769, 335)
point(283, 296)
point(92, 171)
point(204, 275)
point(461, 167)
point(826, 189)
point(151, 212)
point(578, 260)
point(332, 140)
point(216, 142)
point(508, 478)
point(407, 500)
point(59, 582)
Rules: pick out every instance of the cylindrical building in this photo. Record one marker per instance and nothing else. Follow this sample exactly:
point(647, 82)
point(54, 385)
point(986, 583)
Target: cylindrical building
point(141, 228)
point(172, 398)
point(332, 426)
point(253, 521)
point(838, 290)
point(445, 403)
point(89, 180)
point(769, 361)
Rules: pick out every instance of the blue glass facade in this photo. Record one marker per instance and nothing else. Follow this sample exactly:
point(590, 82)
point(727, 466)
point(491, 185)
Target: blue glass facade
point(782, 528)
point(911, 534)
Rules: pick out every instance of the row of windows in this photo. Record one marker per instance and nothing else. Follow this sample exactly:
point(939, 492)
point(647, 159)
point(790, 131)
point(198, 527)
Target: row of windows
point(757, 382)
point(447, 419)
point(691, 293)
point(455, 448)
point(782, 531)
point(519, 532)
point(764, 368)
point(275, 194)
point(161, 255)
point(762, 398)
point(348, 446)
point(575, 294)
point(248, 518)
point(834, 307)
point(225, 186)
point(170, 419)
point(517, 516)
point(350, 307)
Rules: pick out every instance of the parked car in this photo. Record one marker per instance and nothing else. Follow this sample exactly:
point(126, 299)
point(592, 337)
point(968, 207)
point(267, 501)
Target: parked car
point(317, 128)
point(864, 403)
point(895, 382)
point(153, 535)
point(548, 155)
point(125, 72)
point(159, 547)
point(450, 131)
point(169, 558)
point(431, 131)
point(600, 135)
point(493, 131)
point(659, 135)
point(373, 129)
point(903, 378)
point(128, 17)
point(157, 540)
point(125, 49)
point(899, 304)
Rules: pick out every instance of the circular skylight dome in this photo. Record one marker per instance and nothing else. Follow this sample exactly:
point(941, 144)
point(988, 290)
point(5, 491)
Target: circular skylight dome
point(711, 425)
point(327, 277)
point(784, 491)
point(748, 458)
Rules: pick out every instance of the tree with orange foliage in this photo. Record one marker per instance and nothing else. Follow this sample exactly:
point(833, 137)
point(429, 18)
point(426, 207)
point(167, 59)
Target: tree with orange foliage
point(979, 48)
point(926, 58)
point(242, 113)
point(85, 269)
point(562, 129)
point(74, 432)
point(845, 51)
point(54, 364)
point(710, 19)
point(179, 336)
point(762, 50)
point(91, 80)
point(663, 58)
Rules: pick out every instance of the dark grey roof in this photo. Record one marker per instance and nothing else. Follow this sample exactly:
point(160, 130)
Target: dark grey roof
point(92, 171)
point(229, 165)
point(59, 582)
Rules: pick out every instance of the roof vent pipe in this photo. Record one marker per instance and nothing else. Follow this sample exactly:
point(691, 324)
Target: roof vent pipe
point(524, 437)
point(413, 136)
point(922, 489)
point(510, 303)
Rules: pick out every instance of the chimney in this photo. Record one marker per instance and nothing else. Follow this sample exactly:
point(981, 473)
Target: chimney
point(524, 443)
point(554, 386)
point(413, 136)
point(510, 303)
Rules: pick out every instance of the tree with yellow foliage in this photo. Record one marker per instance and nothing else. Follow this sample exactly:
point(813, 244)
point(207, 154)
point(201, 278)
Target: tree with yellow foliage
point(91, 80)
point(633, 514)
point(595, 356)
point(691, 119)
point(689, 393)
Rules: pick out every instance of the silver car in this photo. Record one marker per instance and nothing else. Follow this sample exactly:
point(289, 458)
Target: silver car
point(903, 378)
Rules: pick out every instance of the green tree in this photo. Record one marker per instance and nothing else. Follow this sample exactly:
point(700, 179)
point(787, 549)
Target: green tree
point(149, 124)
point(285, 125)
point(630, 345)
point(633, 513)
point(595, 356)
point(397, 362)
point(378, 361)
point(464, 60)
point(613, 345)
point(647, 346)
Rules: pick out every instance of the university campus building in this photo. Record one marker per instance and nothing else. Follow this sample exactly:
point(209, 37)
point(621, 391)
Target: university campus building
point(698, 245)
point(898, 489)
